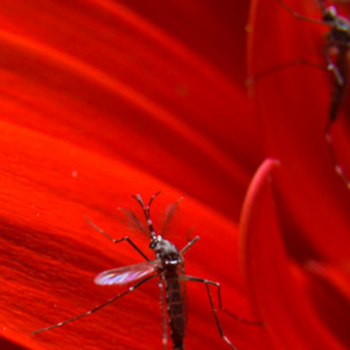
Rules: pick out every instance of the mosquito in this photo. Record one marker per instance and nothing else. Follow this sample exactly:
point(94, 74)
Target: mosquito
point(168, 267)
point(336, 52)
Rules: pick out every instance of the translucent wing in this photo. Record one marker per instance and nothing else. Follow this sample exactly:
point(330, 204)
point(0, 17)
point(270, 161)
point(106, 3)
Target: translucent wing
point(169, 215)
point(133, 222)
point(127, 274)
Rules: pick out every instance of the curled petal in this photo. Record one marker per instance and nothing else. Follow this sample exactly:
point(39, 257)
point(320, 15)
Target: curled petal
point(275, 291)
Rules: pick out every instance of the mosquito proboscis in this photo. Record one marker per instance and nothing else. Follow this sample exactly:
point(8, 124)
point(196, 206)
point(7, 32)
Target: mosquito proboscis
point(168, 267)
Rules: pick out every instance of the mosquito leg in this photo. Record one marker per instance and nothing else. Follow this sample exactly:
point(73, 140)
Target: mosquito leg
point(340, 72)
point(165, 334)
point(337, 167)
point(126, 238)
point(336, 98)
point(333, 68)
point(195, 279)
point(236, 317)
point(252, 80)
point(243, 320)
point(339, 88)
point(299, 16)
point(218, 286)
point(189, 245)
point(97, 307)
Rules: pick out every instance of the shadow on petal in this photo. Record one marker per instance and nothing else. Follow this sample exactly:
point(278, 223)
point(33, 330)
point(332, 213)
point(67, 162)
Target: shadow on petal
point(329, 290)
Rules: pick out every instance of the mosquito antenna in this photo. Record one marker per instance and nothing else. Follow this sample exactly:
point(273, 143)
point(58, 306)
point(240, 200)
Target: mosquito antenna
point(302, 17)
point(151, 199)
point(146, 211)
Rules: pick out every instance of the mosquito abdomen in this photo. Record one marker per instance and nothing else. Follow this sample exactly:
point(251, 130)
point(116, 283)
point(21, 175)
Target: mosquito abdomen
point(175, 309)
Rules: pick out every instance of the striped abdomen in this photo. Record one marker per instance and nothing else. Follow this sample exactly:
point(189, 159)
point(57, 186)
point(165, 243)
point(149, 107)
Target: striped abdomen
point(175, 307)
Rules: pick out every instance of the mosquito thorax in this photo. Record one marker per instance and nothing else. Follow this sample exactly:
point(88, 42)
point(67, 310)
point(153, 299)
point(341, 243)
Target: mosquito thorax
point(340, 33)
point(166, 251)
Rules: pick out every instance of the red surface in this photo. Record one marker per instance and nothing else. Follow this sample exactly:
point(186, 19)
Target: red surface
point(103, 99)
point(100, 100)
point(115, 82)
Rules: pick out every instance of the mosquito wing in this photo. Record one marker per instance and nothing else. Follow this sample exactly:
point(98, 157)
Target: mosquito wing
point(127, 274)
point(168, 216)
point(133, 222)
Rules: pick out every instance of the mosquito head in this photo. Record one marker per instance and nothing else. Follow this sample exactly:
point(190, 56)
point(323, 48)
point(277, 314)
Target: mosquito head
point(155, 241)
point(330, 14)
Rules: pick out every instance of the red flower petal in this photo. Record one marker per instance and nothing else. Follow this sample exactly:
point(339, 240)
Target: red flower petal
point(279, 301)
point(99, 103)
point(328, 287)
point(215, 30)
point(143, 95)
point(50, 255)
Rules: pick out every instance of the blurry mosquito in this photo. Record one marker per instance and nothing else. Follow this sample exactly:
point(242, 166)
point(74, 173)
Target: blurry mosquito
point(168, 266)
point(336, 52)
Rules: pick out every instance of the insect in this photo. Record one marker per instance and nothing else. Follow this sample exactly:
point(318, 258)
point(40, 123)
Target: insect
point(168, 266)
point(336, 52)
